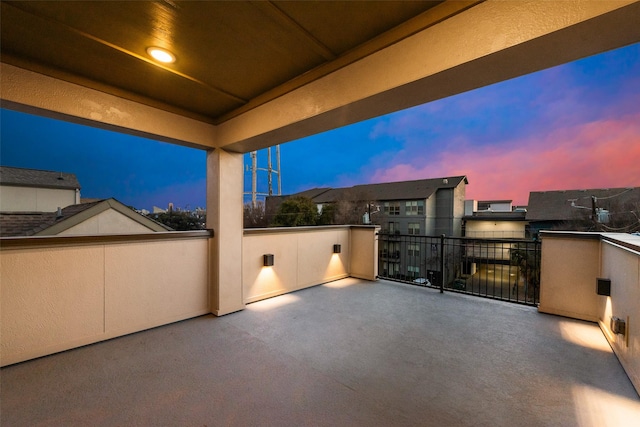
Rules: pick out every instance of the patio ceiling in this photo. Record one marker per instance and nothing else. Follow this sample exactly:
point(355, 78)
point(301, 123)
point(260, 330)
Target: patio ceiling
point(230, 55)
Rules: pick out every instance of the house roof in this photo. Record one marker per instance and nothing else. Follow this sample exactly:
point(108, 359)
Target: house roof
point(402, 190)
point(313, 193)
point(14, 224)
point(37, 178)
point(565, 205)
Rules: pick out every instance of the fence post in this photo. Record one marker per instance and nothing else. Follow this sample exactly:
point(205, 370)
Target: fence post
point(442, 264)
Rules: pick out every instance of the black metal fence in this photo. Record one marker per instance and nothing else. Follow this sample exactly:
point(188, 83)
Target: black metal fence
point(505, 269)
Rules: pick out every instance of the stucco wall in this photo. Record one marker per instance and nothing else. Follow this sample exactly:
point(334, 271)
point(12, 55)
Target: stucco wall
point(28, 199)
point(303, 257)
point(622, 267)
point(571, 263)
point(364, 253)
point(57, 298)
point(568, 275)
point(107, 222)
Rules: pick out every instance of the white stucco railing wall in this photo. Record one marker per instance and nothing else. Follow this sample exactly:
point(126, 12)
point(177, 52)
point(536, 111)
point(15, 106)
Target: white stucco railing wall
point(568, 270)
point(621, 264)
point(303, 257)
point(58, 297)
point(571, 263)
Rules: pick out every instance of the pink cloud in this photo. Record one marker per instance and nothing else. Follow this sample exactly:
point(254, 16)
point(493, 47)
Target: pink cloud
point(597, 154)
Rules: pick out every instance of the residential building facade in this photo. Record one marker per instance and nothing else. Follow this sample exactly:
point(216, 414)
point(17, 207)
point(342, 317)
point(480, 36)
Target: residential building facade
point(494, 219)
point(32, 190)
point(426, 207)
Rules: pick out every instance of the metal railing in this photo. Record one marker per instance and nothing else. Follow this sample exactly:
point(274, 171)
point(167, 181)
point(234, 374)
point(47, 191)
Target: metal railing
point(504, 269)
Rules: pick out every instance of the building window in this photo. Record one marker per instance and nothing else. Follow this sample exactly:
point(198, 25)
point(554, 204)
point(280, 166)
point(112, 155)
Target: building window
point(413, 249)
point(392, 208)
point(414, 228)
point(415, 207)
point(394, 227)
point(394, 269)
point(413, 271)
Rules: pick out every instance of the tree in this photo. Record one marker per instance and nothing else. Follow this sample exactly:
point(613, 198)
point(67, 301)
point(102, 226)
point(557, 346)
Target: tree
point(327, 216)
point(296, 211)
point(351, 206)
point(255, 216)
point(179, 221)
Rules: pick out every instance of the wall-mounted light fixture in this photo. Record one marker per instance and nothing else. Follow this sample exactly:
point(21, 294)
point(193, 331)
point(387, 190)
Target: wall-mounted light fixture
point(337, 249)
point(618, 326)
point(267, 260)
point(603, 286)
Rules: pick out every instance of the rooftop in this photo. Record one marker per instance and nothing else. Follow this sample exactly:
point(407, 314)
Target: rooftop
point(13, 224)
point(401, 190)
point(576, 204)
point(37, 178)
point(348, 352)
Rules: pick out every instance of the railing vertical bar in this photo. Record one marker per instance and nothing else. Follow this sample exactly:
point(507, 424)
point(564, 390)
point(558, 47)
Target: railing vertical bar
point(442, 278)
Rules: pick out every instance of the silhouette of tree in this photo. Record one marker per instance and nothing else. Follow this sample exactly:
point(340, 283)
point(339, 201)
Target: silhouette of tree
point(296, 211)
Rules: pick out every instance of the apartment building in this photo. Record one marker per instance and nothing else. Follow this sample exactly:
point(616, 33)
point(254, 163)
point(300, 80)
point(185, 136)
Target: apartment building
point(425, 207)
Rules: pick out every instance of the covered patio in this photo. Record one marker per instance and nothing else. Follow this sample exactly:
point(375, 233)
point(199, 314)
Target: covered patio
point(349, 352)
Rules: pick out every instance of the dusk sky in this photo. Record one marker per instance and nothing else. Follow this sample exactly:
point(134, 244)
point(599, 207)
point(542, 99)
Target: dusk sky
point(570, 127)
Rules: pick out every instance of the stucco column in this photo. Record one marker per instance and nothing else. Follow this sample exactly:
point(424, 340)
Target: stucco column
point(224, 216)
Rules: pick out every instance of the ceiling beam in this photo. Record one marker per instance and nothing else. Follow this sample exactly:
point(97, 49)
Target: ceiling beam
point(34, 93)
point(487, 43)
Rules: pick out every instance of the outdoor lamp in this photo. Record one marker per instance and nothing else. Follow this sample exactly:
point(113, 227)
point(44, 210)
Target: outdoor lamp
point(337, 249)
point(603, 286)
point(267, 260)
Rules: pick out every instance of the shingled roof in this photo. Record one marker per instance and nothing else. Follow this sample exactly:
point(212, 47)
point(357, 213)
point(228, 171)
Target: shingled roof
point(402, 190)
point(14, 224)
point(37, 178)
point(566, 205)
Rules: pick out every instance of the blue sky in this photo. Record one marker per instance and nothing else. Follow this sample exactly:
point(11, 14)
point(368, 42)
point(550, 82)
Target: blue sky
point(572, 126)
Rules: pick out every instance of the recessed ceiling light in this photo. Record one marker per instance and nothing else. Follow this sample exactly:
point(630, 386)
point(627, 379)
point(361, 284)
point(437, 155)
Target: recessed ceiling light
point(161, 55)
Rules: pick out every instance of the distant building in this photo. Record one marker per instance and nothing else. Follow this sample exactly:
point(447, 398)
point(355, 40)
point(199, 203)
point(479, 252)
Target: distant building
point(571, 209)
point(32, 190)
point(494, 219)
point(420, 207)
point(107, 216)
point(426, 207)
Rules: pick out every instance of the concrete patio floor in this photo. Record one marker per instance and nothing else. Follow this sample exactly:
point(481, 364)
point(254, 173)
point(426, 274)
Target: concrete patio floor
point(348, 353)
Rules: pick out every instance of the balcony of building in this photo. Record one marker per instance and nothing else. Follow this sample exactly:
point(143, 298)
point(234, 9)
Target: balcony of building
point(348, 352)
point(351, 351)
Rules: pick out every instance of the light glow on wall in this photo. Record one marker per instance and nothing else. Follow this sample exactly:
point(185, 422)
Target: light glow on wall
point(335, 267)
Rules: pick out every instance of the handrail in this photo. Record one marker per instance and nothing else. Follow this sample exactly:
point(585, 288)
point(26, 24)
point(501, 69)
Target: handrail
point(44, 241)
point(302, 229)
